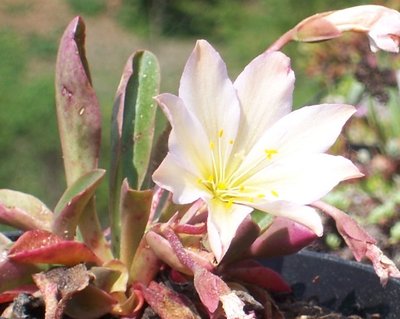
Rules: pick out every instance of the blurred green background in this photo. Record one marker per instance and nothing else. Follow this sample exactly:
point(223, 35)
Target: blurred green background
point(30, 156)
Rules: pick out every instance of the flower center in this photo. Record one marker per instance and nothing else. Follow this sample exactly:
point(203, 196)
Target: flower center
point(232, 189)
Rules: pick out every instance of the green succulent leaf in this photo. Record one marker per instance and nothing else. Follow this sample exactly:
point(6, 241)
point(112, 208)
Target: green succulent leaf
point(132, 130)
point(23, 211)
point(73, 202)
point(135, 209)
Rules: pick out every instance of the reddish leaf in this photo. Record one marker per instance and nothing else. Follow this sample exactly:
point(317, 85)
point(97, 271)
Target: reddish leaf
point(43, 247)
point(78, 111)
point(167, 303)
point(360, 242)
point(13, 275)
point(252, 272)
point(23, 211)
point(283, 237)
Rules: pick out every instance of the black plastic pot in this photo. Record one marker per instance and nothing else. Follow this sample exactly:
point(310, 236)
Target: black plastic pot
point(348, 287)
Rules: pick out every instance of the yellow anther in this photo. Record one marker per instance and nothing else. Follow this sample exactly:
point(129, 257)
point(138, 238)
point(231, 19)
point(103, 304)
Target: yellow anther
point(241, 188)
point(231, 142)
point(222, 186)
point(270, 152)
point(229, 203)
point(260, 196)
point(212, 145)
point(221, 133)
point(274, 193)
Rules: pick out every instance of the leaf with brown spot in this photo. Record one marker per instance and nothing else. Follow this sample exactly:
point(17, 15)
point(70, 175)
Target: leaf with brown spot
point(58, 285)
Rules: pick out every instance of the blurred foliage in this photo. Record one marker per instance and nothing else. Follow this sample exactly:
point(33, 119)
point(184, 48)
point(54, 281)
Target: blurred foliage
point(88, 7)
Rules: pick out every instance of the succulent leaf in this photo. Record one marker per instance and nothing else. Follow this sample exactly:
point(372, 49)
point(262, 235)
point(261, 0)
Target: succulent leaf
point(72, 203)
point(43, 247)
point(23, 211)
point(78, 110)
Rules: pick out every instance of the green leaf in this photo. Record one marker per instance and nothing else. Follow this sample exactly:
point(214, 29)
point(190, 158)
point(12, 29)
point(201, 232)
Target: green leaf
point(78, 110)
point(135, 209)
point(23, 211)
point(72, 203)
point(132, 130)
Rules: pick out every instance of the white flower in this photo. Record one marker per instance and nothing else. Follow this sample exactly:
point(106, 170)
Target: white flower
point(238, 147)
point(381, 24)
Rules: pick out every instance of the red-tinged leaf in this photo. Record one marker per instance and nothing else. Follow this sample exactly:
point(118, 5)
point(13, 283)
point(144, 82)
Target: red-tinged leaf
point(283, 237)
point(246, 234)
point(360, 242)
point(90, 303)
point(384, 267)
point(42, 247)
point(78, 111)
point(10, 295)
point(210, 288)
point(58, 285)
point(72, 203)
point(23, 211)
point(79, 122)
point(135, 209)
point(14, 275)
point(167, 303)
point(252, 272)
point(145, 265)
point(354, 235)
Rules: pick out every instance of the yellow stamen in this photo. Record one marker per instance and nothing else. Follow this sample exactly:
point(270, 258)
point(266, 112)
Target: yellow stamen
point(270, 152)
point(220, 133)
point(274, 193)
point(212, 145)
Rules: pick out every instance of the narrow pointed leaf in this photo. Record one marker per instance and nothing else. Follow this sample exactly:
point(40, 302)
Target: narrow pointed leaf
point(134, 115)
point(79, 122)
point(135, 211)
point(42, 247)
point(23, 211)
point(72, 203)
point(132, 129)
point(78, 110)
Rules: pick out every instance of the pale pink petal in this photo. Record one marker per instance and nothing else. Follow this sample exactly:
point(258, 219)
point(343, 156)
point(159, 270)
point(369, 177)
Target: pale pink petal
point(187, 140)
point(222, 224)
point(304, 215)
point(385, 33)
point(174, 178)
point(208, 93)
point(302, 179)
point(265, 89)
point(311, 129)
